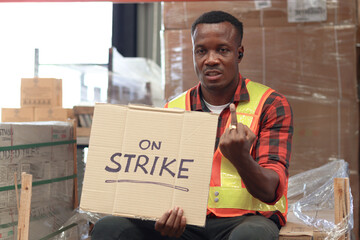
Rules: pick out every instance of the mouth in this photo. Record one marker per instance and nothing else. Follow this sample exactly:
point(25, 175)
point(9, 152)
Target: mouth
point(212, 74)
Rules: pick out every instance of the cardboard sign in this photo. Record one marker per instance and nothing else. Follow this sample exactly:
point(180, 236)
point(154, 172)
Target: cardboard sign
point(143, 161)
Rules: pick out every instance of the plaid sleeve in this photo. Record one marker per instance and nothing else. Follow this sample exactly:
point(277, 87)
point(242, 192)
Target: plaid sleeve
point(273, 144)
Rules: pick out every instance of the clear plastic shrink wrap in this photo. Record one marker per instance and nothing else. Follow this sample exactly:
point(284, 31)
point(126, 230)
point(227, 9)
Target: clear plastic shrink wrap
point(45, 150)
point(181, 14)
point(134, 80)
point(311, 199)
point(305, 58)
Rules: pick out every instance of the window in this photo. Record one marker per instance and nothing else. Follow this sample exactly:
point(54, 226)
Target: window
point(65, 33)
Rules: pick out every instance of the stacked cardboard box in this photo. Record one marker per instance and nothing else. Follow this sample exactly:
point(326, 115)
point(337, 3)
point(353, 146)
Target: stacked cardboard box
point(83, 116)
point(305, 52)
point(45, 150)
point(295, 44)
point(41, 100)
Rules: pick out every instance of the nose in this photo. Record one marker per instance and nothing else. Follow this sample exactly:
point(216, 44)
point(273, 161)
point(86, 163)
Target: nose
point(211, 59)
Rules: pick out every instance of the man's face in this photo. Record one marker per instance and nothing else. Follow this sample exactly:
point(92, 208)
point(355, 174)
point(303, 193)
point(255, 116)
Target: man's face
point(216, 49)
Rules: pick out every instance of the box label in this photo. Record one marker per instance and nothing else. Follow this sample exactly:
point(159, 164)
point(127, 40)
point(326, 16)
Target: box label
point(307, 10)
point(260, 4)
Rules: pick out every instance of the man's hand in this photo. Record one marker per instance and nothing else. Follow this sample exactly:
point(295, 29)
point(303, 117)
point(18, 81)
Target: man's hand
point(235, 143)
point(172, 223)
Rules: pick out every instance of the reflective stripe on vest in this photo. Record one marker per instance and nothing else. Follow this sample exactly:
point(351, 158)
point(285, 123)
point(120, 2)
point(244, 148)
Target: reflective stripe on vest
point(227, 191)
point(182, 102)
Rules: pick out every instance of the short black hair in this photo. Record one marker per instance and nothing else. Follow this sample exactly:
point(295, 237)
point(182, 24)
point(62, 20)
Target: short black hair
point(218, 17)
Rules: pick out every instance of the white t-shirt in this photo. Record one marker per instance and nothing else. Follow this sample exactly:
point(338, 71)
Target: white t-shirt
point(216, 109)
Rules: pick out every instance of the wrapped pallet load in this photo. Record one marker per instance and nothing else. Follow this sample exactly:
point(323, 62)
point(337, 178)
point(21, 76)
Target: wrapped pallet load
point(46, 151)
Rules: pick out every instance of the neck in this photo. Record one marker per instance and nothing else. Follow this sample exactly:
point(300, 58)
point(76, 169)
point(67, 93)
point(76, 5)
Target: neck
point(217, 100)
point(215, 97)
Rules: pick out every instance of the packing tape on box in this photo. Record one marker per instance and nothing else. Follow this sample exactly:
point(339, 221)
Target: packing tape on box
point(33, 145)
point(42, 182)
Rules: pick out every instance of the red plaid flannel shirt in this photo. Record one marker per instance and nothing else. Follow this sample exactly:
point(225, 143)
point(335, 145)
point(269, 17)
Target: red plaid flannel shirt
point(272, 146)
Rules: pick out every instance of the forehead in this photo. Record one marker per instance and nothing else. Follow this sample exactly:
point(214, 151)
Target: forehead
point(210, 32)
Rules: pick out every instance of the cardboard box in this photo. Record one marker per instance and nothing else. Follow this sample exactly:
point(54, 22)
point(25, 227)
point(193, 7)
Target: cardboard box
point(181, 15)
point(179, 67)
point(83, 110)
point(295, 229)
point(83, 132)
point(17, 114)
point(41, 92)
point(83, 116)
point(143, 161)
point(324, 131)
point(315, 61)
point(53, 114)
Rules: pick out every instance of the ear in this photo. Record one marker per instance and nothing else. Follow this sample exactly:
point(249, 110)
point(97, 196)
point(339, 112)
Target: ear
point(240, 51)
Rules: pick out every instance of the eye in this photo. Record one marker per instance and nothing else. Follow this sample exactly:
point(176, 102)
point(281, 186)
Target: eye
point(223, 50)
point(199, 51)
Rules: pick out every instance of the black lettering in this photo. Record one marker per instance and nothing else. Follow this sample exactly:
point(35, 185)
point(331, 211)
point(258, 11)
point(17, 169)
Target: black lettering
point(153, 167)
point(141, 165)
point(5, 155)
point(309, 11)
point(181, 168)
point(27, 152)
point(6, 132)
point(129, 156)
point(141, 144)
point(154, 146)
point(112, 158)
point(145, 144)
point(17, 153)
point(164, 166)
point(263, 4)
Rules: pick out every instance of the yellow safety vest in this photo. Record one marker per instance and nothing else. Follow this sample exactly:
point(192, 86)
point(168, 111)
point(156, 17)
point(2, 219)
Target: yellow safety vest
point(228, 196)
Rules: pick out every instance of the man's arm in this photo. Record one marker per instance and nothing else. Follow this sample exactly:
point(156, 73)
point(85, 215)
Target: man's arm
point(261, 182)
